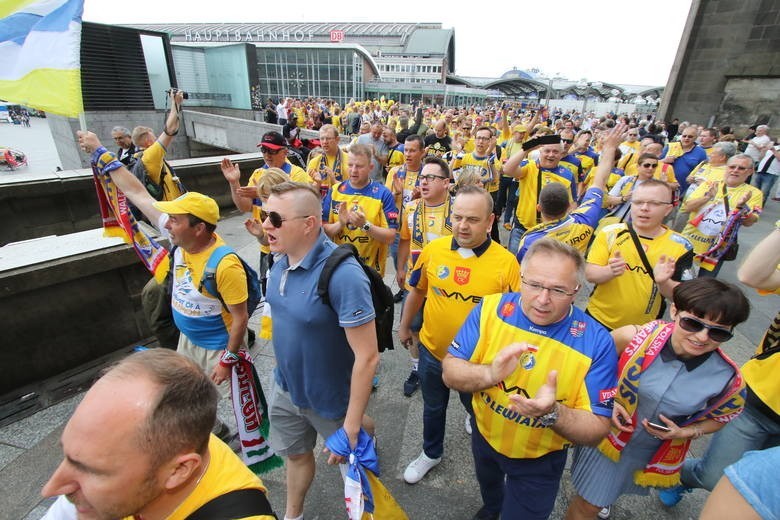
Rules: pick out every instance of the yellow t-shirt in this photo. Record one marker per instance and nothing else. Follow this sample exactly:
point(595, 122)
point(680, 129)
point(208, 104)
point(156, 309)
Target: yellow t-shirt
point(706, 172)
point(632, 297)
point(153, 159)
point(761, 371)
point(225, 473)
point(395, 157)
point(704, 225)
point(454, 281)
point(529, 189)
point(484, 167)
point(336, 163)
point(421, 224)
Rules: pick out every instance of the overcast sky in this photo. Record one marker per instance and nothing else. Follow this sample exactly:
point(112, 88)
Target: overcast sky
point(617, 41)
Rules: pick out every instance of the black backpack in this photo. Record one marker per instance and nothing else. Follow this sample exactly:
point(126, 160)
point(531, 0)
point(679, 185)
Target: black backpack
point(381, 295)
point(157, 191)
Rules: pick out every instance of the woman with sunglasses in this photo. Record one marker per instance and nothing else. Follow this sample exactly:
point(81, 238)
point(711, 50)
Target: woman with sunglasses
point(675, 384)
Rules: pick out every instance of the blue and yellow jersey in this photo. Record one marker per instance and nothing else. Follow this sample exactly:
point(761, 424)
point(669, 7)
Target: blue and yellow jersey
point(410, 183)
point(421, 224)
point(589, 158)
point(153, 159)
point(454, 280)
point(572, 163)
point(761, 371)
point(377, 204)
point(533, 182)
point(485, 167)
point(200, 316)
point(632, 297)
point(575, 229)
point(579, 348)
point(614, 176)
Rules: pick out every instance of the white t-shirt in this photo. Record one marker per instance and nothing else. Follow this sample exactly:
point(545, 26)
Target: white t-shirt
point(753, 147)
point(61, 509)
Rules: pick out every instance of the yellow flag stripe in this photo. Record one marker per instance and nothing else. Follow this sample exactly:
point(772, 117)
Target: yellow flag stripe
point(51, 90)
point(8, 7)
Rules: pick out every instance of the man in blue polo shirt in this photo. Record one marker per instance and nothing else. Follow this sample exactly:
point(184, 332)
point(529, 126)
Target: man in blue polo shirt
point(326, 355)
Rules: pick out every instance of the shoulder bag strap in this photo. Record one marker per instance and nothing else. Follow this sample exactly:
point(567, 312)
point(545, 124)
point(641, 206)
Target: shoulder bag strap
point(233, 505)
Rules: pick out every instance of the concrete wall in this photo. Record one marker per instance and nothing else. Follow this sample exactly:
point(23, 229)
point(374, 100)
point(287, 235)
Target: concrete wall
point(66, 202)
point(63, 313)
point(727, 65)
point(64, 129)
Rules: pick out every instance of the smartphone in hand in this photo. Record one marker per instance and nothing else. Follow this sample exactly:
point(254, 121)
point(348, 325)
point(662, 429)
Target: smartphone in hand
point(657, 426)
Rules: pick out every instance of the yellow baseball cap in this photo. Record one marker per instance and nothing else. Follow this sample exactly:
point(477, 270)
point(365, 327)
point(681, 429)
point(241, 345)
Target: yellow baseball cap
point(202, 206)
point(519, 128)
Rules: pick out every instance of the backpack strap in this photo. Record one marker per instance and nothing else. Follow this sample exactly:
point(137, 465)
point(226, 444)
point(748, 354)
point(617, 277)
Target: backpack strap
point(240, 503)
point(338, 255)
point(209, 279)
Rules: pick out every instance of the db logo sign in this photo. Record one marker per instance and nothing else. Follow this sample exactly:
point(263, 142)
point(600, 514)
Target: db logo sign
point(336, 36)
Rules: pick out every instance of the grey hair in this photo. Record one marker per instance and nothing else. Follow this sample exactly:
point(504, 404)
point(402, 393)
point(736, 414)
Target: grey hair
point(728, 148)
point(122, 130)
point(556, 247)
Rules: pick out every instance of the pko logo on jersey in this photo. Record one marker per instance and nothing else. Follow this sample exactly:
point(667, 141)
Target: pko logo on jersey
point(462, 275)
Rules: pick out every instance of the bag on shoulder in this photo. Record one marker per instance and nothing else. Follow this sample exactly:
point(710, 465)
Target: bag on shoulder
point(156, 190)
point(381, 295)
point(209, 280)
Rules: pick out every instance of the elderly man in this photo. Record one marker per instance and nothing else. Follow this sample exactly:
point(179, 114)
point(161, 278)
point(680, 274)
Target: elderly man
point(767, 171)
point(138, 445)
point(374, 139)
point(451, 275)
point(124, 140)
point(684, 156)
point(541, 373)
point(331, 167)
point(709, 208)
point(316, 390)
point(759, 144)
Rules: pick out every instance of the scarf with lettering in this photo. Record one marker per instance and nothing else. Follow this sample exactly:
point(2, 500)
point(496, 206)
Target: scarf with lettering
point(663, 470)
point(251, 411)
point(118, 220)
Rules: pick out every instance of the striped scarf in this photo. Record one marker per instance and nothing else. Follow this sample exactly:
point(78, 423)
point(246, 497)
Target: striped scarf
point(663, 470)
point(117, 219)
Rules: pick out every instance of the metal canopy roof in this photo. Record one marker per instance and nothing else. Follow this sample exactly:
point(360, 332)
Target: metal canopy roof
point(517, 86)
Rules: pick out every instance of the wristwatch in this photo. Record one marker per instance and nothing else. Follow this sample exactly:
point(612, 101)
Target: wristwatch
point(366, 226)
point(550, 418)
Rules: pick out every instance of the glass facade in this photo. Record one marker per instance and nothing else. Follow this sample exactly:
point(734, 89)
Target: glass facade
point(336, 74)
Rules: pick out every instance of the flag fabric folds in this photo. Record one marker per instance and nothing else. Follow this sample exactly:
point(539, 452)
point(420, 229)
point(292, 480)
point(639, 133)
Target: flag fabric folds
point(365, 496)
point(40, 43)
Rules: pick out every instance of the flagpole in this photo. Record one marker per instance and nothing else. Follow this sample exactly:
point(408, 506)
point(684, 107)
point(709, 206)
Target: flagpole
point(83, 121)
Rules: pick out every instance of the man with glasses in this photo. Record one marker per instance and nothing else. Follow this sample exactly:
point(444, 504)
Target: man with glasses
point(570, 160)
point(631, 144)
point(423, 220)
point(684, 155)
point(636, 265)
point(710, 206)
point(619, 198)
point(124, 140)
point(539, 373)
point(360, 211)
point(451, 275)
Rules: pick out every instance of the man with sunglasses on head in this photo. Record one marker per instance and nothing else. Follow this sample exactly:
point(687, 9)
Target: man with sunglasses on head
point(326, 354)
point(636, 264)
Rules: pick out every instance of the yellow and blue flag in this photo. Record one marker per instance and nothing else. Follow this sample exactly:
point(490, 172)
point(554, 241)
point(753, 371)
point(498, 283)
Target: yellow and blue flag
point(40, 44)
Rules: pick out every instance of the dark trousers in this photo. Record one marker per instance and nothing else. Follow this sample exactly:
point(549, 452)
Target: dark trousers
point(520, 489)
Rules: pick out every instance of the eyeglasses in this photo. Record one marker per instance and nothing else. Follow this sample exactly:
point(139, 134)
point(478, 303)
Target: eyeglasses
point(649, 165)
point(429, 177)
point(717, 334)
point(277, 220)
point(555, 292)
point(688, 136)
point(651, 203)
point(567, 141)
point(482, 138)
point(269, 151)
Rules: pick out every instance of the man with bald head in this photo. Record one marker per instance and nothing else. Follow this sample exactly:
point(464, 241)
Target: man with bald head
point(439, 142)
point(316, 390)
point(139, 446)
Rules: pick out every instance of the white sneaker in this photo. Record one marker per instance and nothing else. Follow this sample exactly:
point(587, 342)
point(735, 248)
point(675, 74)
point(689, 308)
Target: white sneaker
point(419, 467)
point(605, 512)
point(468, 424)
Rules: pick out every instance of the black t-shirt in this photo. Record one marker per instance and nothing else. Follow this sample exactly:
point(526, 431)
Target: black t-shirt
point(438, 146)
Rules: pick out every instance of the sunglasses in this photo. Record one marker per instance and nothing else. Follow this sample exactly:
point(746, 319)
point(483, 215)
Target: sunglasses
point(717, 334)
point(276, 219)
point(568, 141)
point(649, 165)
point(270, 151)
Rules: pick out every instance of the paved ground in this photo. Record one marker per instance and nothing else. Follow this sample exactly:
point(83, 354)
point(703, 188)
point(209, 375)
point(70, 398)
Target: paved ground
point(29, 451)
point(36, 142)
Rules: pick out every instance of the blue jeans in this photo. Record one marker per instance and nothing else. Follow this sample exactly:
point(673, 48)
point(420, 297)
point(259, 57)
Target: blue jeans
point(764, 182)
point(514, 238)
point(517, 488)
point(436, 396)
point(752, 430)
